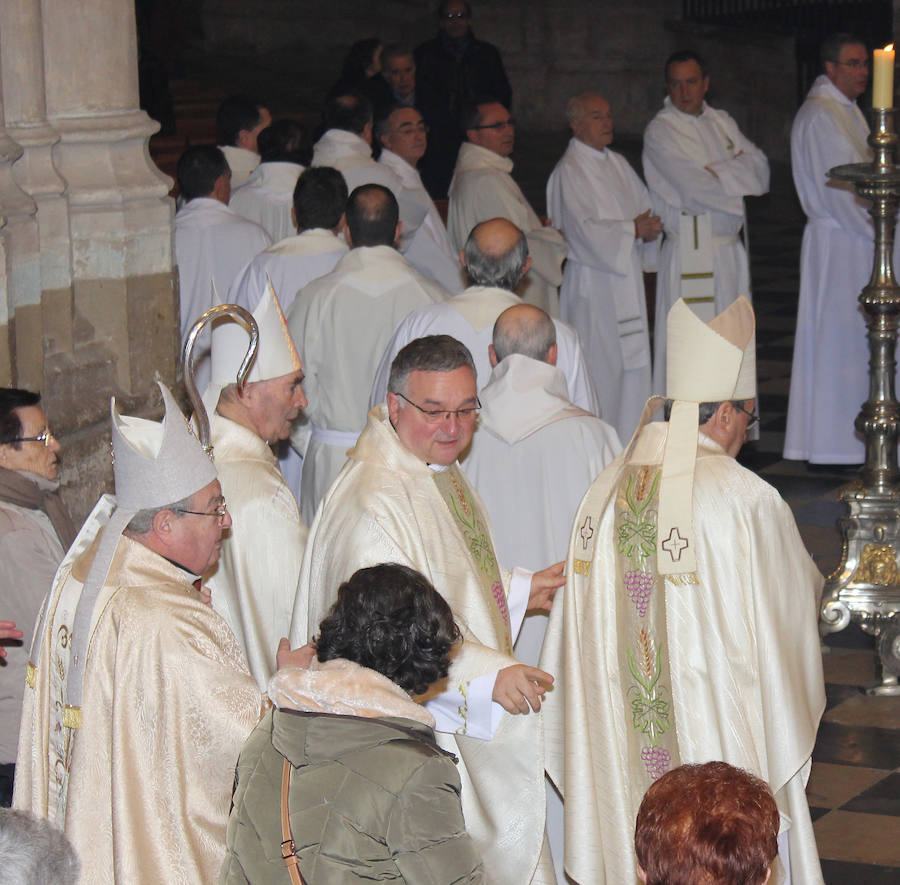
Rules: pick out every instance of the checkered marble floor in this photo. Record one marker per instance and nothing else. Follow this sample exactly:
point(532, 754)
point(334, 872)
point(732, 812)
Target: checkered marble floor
point(854, 789)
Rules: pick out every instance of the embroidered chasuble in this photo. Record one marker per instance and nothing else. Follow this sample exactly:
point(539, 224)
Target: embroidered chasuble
point(387, 505)
point(471, 525)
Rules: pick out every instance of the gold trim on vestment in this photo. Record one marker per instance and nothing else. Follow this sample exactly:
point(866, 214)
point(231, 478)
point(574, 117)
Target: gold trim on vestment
point(71, 717)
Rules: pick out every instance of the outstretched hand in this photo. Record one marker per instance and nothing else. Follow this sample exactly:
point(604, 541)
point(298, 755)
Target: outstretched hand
point(519, 688)
point(544, 585)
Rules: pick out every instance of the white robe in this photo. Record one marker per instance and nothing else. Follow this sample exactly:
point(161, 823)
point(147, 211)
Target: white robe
point(352, 157)
point(594, 197)
point(241, 161)
point(430, 251)
point(341, 324)
point(829, 378)
point(254, 585)
point(532, 458)
point(385, 507)
point(212, 245)
point(744, 682)
point(483, 188)
point(268, 197)
point(469, 317)
point(677, 149)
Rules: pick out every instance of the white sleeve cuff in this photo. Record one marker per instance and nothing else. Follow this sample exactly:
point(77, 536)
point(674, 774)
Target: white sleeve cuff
point(517, 600)
point(468, 709)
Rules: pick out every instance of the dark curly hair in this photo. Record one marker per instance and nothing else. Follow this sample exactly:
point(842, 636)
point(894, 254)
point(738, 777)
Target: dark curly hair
point(390, 618)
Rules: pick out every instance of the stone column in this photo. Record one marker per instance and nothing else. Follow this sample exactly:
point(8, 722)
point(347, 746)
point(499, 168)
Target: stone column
point(120, 217)
point(47, 247)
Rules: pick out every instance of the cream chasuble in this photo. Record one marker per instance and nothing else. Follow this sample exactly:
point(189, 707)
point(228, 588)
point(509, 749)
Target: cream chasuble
point(744, 681)
point(254, 584)
point(700, 165)
point(388, 506)
point(141, 780)
point(483, 188)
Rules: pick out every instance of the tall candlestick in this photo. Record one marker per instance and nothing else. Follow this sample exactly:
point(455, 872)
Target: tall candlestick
point(883, 78)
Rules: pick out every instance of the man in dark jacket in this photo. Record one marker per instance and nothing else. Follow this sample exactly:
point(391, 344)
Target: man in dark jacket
point(453, 70)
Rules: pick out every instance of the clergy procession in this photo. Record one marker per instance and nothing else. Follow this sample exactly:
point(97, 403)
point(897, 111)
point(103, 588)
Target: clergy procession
point(450, 560)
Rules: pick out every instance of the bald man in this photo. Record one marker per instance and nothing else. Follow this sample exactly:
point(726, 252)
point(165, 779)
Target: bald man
point(496, 259)
point(603, 210)
point(483, 188)
point(533, 457)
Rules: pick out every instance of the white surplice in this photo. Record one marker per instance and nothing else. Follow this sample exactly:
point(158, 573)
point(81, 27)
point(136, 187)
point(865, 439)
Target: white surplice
point(483, 188)
point(139, 778)
point(241, 162)
point(212, 245)
point(341, 324)
point(469, 317)
point(430, 251)
point(829, 377)
point(267, 198)
point(386, 507)
point(679, 151)
point(532, 458)
point(352, 157)
point(594, 197)
point(254, 585)
point(743, 675)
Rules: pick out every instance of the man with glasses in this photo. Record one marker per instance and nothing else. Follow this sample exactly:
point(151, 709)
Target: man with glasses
point(402, 498)
point(484, 188)
point(453, 70)
point(404, 138)
point(688, 628)
point(835, 263)
point(35, 532)
point(138, 700)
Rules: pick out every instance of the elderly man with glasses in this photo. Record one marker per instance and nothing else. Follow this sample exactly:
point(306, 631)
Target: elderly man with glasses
point(483, 188)
point(402, 498)
point(35, 531)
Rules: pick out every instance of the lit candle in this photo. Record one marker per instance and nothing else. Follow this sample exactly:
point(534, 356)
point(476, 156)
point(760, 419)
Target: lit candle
point(883, 78)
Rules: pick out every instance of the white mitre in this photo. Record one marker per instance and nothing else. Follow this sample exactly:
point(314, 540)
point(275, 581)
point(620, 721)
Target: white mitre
point(277, 354)
point(705, 363)
point(154, 464)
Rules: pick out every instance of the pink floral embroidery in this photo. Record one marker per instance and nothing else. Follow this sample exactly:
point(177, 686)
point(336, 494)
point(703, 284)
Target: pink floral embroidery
point(500, 598)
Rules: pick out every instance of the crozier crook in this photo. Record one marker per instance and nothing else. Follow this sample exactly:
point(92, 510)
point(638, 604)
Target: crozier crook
point(245, 318)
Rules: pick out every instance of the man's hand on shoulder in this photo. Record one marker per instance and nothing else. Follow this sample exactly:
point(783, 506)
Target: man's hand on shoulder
point(519, 688)
point(544, 585)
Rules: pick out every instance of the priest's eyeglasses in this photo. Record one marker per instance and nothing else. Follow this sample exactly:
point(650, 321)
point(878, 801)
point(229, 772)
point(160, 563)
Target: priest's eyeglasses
point(752, 419)
point(45, 437)
point(434, 416)
point(502, 124)
point(220, 512)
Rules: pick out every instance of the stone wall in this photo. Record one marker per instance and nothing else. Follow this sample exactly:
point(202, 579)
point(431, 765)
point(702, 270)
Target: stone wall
point(88, 307)
point(552, 50)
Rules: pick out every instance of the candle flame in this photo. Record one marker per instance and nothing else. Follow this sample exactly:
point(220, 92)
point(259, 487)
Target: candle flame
point(889, 47)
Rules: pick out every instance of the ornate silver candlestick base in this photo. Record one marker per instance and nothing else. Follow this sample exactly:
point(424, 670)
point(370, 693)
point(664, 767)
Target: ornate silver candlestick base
point(865, 587)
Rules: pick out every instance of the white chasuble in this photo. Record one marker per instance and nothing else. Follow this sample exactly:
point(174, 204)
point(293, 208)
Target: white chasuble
point(385, 506)
point(140, 777)
point(254, 584)
point(745, 680)
point(483, 188)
